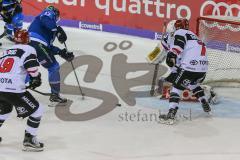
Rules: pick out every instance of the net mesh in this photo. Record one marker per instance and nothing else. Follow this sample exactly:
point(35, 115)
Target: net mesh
point(222, 38)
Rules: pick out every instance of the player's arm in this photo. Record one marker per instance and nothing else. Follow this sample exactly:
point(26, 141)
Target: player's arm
point(179, 42)
point(31, 65)
point(68, 56)
point(176, 49)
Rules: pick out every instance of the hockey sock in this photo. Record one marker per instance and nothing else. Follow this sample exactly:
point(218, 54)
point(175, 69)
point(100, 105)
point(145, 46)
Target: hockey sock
point(33, 121)
point(174, 97)
point(32, 125)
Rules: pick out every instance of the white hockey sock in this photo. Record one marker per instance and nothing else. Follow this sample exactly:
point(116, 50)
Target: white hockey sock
point(33, 121)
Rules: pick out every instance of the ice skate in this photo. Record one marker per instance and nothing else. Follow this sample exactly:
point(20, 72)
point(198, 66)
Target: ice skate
point(55, 100)
point(31, 144)
point(169, 118)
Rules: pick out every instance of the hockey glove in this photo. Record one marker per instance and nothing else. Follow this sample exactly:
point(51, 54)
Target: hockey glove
point(35, 81)
point(61, 35)
point(171, 59)
point(68, 56)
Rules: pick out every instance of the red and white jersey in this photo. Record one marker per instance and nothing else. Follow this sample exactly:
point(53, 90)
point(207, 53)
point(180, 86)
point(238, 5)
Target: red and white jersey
point(167, 41)
point(15, 63)
point(190, 51)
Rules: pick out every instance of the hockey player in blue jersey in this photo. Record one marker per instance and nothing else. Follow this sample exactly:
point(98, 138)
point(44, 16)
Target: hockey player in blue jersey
point(11, 12)
point(43, 31)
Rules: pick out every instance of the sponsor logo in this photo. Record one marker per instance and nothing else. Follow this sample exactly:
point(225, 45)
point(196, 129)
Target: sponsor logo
point(28, 101)
point(193, 62)
point(202, 62)
point(219, 9)
point(186, 82)
point(158, 36)
point(21, 110)
point(91, 26)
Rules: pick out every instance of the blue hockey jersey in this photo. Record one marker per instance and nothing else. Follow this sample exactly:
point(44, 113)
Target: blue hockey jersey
point(43, 28)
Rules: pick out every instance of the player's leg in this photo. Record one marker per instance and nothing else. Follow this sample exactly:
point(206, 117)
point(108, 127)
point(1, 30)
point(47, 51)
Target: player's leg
point(27, 106)
point(175, 93)
point(167, 81)
point(48, 61)
point(5, 110)
point(198, 91)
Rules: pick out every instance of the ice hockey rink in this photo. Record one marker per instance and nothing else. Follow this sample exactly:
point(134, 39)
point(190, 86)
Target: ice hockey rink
point(96, 129)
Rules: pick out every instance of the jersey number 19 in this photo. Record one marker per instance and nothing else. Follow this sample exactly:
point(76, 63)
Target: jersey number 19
point(6, 65)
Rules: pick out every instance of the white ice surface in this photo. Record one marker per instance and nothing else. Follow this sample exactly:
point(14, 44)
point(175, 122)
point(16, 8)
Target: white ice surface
point(111, 137)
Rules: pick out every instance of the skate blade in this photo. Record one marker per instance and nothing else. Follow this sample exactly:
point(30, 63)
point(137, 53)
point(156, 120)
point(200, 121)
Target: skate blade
point(30, 149)
point(57, 104)
point(167, 122)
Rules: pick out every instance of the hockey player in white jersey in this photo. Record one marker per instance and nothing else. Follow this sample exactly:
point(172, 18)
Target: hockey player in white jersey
point(15, 64)
point(190, 52)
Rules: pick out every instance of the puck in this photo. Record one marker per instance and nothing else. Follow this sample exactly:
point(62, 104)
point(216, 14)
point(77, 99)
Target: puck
point(0, 44)
point(118, 104)
point(0, 139)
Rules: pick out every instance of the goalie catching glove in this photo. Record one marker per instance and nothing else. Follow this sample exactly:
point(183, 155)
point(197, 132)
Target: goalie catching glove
point(61, 35)
point(171, 59)
point(35, 81)
point(68, 56)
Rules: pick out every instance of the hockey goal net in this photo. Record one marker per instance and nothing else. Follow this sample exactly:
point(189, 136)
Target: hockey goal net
point(222, 38)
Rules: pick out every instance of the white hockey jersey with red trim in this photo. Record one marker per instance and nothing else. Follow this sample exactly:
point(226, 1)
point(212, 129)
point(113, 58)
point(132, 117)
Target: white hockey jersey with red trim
point(14, 63)
point(190, 51)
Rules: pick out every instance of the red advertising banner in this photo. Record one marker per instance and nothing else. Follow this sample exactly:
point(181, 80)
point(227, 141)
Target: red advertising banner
point(137, 14)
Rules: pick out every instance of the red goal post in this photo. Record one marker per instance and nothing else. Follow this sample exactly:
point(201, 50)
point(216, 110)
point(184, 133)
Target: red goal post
point(222, 38)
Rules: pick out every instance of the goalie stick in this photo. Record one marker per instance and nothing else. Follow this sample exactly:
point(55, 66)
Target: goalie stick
point(156, 68)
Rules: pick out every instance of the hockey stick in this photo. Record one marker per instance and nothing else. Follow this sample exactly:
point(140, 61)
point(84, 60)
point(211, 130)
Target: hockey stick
point(80, 89)
point(42, 93)
point(152, 91)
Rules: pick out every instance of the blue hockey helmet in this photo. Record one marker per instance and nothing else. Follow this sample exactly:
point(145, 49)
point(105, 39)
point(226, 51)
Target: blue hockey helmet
point(55, 10)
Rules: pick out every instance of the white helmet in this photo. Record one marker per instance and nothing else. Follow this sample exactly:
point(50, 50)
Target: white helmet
point(170, 26)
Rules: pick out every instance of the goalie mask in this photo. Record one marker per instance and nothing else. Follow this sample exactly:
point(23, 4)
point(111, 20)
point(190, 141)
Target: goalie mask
point(182, 24)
